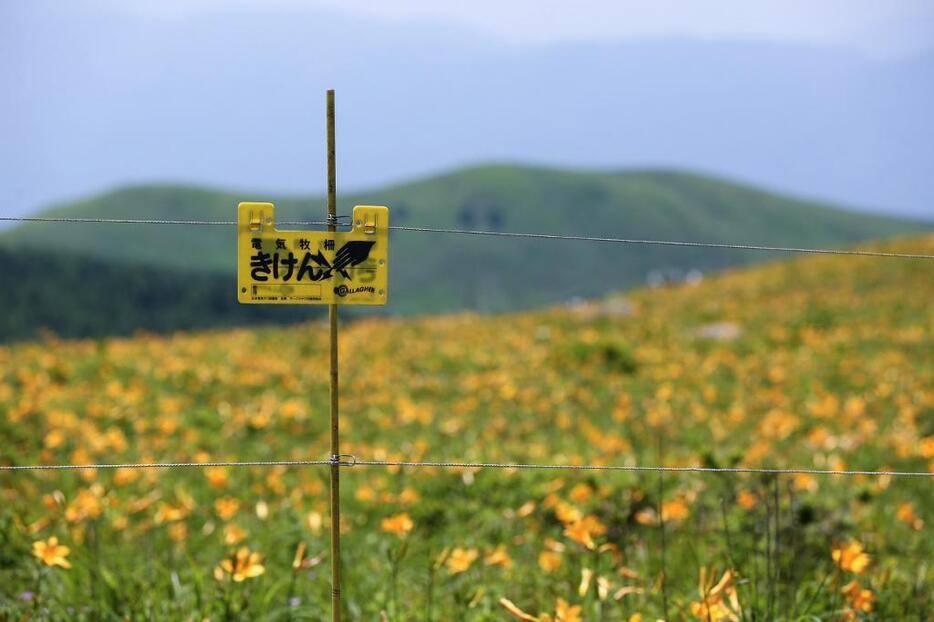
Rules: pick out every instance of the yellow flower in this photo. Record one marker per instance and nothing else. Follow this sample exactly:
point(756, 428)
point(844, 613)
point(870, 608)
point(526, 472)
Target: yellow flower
point(408, 496)
point(54, 500)
point(226, 507)
point(850, 557)
point(122, 476)
point(674, 510)
point(583, 530)
point(859, 598)
point(365, 493)
point(54, 438)
point(746, 499)
point(549, 561)
point(565, 612)
point(906, 514)
point(461, 559)
point(233, 534)
point(718, 602)
point(51, 552)
point(241, 565)
point(87, 504)
point(498, 557)
point(217, 476)
point(168, 513)
point(926, 447)
point(581, 493)
point(400, 524)
point(178, 532)
point(646, 516)
point(805, 482)
point(527, 508)
point(567, 513)
point(578, 532)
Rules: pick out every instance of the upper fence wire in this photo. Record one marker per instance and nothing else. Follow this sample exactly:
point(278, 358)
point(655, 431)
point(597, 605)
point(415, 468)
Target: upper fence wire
point(500, 234)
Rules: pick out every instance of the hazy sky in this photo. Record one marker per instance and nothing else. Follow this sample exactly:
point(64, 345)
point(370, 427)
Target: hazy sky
point(882, 28)
point(825, 99)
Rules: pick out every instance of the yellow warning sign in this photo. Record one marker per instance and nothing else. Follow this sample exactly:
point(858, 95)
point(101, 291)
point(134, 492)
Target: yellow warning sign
point(312, 267)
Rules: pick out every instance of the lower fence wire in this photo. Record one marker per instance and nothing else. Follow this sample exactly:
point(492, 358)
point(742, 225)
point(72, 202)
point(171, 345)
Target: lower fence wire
point(164, 465)
point(348, 460)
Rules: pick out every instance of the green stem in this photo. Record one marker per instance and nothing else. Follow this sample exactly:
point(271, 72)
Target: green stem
point(290, 593)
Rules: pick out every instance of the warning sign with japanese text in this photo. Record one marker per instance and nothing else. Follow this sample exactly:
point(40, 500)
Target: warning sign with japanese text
point(312, 267)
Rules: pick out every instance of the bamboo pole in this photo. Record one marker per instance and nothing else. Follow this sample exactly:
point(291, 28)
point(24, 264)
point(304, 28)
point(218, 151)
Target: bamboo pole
point(335, 422)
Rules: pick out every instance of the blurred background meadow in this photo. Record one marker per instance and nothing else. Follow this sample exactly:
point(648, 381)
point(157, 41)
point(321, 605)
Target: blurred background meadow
point(803, 124)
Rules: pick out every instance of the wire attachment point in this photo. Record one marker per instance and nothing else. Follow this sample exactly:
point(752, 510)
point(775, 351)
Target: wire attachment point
point(336, 460)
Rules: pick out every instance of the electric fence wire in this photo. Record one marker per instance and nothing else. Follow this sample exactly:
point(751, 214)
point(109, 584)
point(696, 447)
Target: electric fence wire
point(348, 460)
point(163, 465)
point(499, 234)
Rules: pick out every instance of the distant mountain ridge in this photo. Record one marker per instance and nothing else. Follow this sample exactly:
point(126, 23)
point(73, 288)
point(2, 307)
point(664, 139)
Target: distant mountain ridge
point(435, 273)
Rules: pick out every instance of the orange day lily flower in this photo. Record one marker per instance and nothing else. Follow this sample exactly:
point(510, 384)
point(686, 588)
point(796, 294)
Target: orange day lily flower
point(461, 560)
point(233, 534)
point(400, 525)
point(850, 557)
point(226, 507)
point(674, 510)
point(906, 514)
point(719, 601)
point(746, 500)
point(51, 552)
point(241, 565)
point(859, 598)
point(578, 532)
point(565, 612)
point(549, 561)
point(498, 557)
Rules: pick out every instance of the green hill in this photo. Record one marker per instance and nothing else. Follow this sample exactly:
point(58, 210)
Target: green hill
point(79, 296)
point(432, 273)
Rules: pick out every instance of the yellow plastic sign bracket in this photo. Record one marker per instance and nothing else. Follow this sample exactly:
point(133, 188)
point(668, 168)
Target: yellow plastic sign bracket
point(312, 267)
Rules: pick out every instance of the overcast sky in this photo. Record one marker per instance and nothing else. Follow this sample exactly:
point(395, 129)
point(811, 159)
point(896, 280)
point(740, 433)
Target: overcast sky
point(881, 28)
point(828, 99)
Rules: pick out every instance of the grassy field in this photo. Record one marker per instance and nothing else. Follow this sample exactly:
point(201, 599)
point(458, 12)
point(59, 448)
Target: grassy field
point(819, 362)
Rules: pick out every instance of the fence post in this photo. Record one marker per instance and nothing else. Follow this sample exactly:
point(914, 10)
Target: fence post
point(335, 423)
